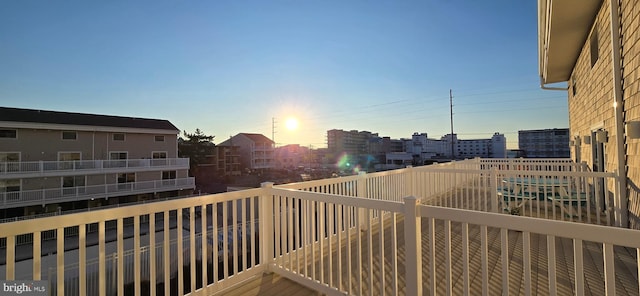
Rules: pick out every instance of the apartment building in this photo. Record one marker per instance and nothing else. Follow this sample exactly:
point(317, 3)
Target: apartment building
point(256, 152)
point(544, 143)
point(494, 147)
point(350, 142)
point(52, 161)
point(424, 148)
point(293, 156)
point(589, 50)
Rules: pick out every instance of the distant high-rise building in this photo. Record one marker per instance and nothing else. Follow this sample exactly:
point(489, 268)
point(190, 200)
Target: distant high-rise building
point(544, 143)
point(351, 142)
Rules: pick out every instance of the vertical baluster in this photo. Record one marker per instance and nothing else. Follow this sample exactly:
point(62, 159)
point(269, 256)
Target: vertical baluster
point(102, 266)
point(152, 253)
point(578, 265)
point(394, 252)
point(136, 255)
point(192, 248)
point(180, 247)
point(215, 241)
point(526, 261)
point(465, 258)
point(204, 247)
point(120, 254)
point(432, 256)
point(551, 268)
point(290, 227)
point(381, 258)
point(37, 255)
point(504, 241)
point(447, 255)
point(484, 250)
point(609, 269)
point(234, 236)
point(225, 241)
point(244, 233)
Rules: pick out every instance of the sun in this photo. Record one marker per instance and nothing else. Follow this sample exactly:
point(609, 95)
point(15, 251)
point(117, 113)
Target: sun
point(291, 123)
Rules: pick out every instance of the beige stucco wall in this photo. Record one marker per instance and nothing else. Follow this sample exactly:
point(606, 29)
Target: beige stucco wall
point(592, 105)
point(40, 144)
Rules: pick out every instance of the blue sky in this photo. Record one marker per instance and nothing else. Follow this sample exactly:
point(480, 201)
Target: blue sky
point(233, 66)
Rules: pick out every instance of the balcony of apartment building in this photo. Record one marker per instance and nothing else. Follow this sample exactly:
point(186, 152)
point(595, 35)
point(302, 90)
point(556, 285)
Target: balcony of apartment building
point(481, 226)
point(33, 169)
point(264, 148)
point(23, 198)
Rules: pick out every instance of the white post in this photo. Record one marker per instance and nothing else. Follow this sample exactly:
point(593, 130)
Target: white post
point(266, 226)
point(361, 191)
point(413, 256)
point(409, 181)
point(493, 189)
point(621, 209)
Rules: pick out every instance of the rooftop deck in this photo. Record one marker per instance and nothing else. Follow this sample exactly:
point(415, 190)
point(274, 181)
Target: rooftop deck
point(445, 231)
point(537, 282)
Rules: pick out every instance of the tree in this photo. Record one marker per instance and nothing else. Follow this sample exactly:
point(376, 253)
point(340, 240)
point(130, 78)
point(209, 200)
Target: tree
point(196, 147)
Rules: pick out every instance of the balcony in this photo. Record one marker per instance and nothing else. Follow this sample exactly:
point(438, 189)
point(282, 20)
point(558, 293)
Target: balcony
point(439, 229)
point(67, 194)
point(32, 169)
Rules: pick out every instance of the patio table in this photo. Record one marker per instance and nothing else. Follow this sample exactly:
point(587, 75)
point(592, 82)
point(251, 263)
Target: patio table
point(523, 189)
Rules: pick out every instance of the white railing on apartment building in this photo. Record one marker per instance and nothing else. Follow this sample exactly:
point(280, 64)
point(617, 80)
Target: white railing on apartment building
point(44, 168)
point(66, 194)
point(464, 185)
point(334, 244)
point(189, 219)
point(304, 232)
point(535, 164)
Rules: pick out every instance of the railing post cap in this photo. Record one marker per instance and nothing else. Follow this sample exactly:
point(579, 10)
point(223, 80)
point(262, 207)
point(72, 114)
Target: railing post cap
point(410, 198)
point(266, 184)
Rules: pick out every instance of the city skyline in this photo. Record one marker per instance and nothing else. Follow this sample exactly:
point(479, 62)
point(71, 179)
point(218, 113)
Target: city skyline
point(228, 68)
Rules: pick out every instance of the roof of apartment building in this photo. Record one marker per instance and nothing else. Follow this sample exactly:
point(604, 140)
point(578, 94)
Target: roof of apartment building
point(56, 117)
point(257, 138)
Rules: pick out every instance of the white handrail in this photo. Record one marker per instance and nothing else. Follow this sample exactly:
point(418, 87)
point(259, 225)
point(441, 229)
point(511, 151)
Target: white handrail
point(43, 167)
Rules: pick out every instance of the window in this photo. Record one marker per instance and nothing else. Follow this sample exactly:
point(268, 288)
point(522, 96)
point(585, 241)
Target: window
point(166, 175)
point(117, 155)
point(159, 154)
point(66, 160)
point(9, 156)
point(67, 135)
point(126, 178)
point(73, 181)
point(11, 185)
point(593, 44)
point(574, 88)
point(159, 138)
point(8, 133)
point(68, 156)
point(118, 137)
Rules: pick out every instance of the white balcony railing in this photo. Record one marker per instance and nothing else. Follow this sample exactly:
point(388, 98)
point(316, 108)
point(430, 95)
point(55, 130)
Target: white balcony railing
point(57, 168)
point(328, 235)
point(55, 195)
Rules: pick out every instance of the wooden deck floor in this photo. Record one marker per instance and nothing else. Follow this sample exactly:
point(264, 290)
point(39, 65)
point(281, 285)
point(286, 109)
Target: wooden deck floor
point(625, 265)
point(269, 285)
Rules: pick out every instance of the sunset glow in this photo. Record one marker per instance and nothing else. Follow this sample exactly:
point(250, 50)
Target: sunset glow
point(291, 124)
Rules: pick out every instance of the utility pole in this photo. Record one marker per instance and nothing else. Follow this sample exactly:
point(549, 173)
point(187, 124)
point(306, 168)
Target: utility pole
point(451, 109)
